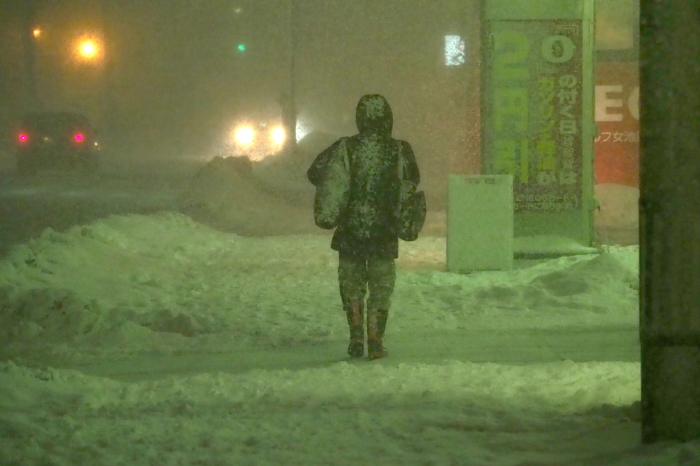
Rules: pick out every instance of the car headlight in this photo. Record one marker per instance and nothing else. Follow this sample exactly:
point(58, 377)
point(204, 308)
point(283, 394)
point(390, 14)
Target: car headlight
point(278, 135)
point(245, 135)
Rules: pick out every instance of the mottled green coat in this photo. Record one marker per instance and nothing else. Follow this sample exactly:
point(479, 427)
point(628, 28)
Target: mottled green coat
point(368, 224)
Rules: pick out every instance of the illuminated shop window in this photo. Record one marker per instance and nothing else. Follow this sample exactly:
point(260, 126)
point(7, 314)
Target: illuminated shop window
point(454, 51)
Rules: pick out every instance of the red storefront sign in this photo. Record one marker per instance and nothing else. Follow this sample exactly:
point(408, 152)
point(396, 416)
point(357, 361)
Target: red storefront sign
point(617, 118)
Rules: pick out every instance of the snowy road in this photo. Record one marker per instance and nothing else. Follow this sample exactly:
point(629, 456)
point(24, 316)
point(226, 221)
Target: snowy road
point(60, 200)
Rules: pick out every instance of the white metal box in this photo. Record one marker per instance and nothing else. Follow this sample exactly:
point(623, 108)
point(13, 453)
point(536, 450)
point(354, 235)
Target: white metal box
point(479, 223)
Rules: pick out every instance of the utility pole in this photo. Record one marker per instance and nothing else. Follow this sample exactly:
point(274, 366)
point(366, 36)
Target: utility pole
point(31, 97)
point(108, 106)
point(670, 220)
point(289, 110)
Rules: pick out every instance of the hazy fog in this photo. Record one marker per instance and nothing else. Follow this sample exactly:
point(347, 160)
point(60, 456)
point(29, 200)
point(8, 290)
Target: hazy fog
point(172, 81)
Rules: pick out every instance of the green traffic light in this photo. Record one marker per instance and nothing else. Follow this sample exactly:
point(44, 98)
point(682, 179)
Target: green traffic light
point(241, 47)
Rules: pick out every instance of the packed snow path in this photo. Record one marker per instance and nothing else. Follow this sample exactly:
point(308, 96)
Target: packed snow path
point(527, 346)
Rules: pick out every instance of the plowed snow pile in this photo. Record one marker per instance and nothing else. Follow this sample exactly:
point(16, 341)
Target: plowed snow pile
point(226, 195)
point(130, 284)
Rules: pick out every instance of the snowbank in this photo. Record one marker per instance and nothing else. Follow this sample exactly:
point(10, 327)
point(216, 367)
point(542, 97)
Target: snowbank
point(454, 413)
point(165, 283)
point(226, 195)
point(345, 414)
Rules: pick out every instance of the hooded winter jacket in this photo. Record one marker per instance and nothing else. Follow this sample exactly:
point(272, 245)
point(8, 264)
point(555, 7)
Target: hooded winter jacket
point(368, 225)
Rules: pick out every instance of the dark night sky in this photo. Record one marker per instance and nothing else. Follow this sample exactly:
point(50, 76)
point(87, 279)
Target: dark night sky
point(177, 80)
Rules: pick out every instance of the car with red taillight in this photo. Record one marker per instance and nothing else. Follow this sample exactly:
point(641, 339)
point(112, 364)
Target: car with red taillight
point(50, 140)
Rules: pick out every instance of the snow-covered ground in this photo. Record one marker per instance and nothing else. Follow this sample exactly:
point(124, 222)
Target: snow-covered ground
point(130, 287)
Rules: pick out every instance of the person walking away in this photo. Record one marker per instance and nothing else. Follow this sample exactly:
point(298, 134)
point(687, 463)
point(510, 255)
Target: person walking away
point(363, 182)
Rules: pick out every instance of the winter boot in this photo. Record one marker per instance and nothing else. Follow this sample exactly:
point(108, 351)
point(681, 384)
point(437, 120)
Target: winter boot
point(354, 312)
point(376, 325)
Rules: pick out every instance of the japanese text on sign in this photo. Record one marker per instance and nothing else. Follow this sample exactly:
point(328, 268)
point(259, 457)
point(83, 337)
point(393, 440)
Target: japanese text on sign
point(535, 126)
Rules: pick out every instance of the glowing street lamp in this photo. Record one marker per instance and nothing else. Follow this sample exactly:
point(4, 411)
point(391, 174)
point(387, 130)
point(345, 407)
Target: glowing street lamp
point(36, 32)
point(88, 49)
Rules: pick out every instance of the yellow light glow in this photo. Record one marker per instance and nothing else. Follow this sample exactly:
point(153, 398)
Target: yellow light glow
point(37, 32)
point(88, 49)
point(278, 135)
point(245, 135)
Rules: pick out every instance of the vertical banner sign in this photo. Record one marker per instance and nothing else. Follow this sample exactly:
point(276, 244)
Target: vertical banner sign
point(535, 112)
